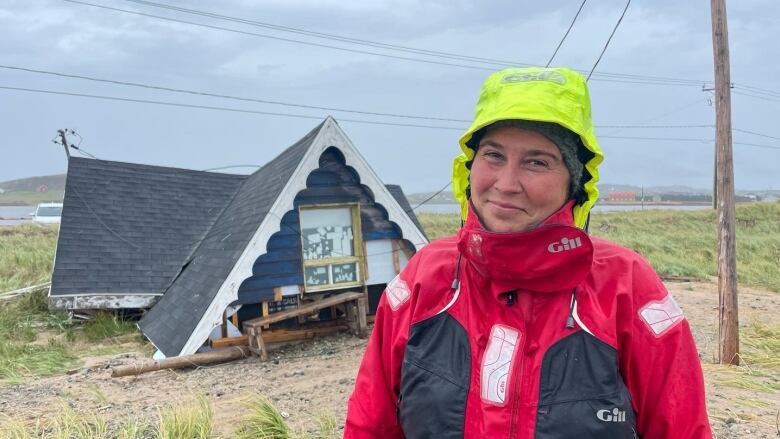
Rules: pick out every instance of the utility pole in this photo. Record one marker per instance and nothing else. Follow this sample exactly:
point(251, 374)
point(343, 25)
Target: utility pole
point(728, 330)
point(64, 142)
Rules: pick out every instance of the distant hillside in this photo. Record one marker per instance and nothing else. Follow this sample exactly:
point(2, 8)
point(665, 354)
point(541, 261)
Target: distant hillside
point(33, 184)
point(32, 190)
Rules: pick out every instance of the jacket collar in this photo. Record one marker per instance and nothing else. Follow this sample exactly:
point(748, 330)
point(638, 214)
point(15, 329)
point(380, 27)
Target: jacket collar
point(552, 257)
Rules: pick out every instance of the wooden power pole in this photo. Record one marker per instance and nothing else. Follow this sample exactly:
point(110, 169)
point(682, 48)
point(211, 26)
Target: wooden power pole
point(64, 142)
point(728, 329)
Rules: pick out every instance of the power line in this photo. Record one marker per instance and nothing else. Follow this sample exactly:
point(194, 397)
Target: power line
point(655, 126)
point(371, 122)
point(741, 93)
point(327, 36)
point(609, 39)
point(758, 89)
point(209, 107)
point(686, 139)
point(341, 38)
point(289, 40)
point(431, 197)
point(566, 34)
point(601, 76)
point(755, 133)
point(223, 96)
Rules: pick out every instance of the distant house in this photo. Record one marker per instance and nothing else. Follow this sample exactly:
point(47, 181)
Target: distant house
point(195, 248)
point(621, 196)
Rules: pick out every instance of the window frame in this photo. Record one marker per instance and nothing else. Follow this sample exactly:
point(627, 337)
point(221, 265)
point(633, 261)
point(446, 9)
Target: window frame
point(357, 250)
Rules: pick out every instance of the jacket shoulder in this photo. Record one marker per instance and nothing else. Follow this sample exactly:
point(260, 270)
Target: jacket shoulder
point(616, 263)
point(604, 249)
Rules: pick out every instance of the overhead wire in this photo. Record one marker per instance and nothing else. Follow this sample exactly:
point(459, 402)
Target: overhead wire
point(620, 20)
point(371, 122)
point(289, 40)
point(225, 96)
point(217, 108)
point(752, 95)
point(600, 76)
point(437, 53)
point(757, 89)
point(327, 36)
point(566, 34)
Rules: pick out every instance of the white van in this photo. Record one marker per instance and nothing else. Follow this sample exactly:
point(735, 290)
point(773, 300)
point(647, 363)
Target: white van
point(48, 213)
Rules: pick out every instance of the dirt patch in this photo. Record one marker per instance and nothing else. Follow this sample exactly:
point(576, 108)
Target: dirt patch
point(315, 378)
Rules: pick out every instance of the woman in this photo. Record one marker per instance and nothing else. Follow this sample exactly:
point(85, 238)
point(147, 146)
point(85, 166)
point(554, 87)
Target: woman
point(522, 325)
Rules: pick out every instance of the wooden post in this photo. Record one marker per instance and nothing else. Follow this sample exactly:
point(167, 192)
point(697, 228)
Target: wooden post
point(64, 142)
point(362, 310)
point(728, 330)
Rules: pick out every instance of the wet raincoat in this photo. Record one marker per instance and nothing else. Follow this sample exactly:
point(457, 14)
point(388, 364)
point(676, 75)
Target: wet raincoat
point(546, 333)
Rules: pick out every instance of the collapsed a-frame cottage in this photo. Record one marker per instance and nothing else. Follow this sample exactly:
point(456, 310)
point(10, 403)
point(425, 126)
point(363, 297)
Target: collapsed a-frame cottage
point(195, 247)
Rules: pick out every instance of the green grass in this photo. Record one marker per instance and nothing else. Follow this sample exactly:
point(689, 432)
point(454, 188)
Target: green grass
point(189, 420)
point(37, 342)
point(680, 243)
point(26, 255)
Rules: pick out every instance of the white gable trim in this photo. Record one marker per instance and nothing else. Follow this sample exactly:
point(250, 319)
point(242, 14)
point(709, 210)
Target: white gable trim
point(329, 135)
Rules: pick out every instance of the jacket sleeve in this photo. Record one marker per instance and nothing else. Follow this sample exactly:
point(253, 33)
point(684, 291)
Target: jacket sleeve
point(372, 408)
point(659, 362)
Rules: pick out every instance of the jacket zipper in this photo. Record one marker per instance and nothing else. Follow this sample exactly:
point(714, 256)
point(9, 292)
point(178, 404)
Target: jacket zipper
point(517, 378)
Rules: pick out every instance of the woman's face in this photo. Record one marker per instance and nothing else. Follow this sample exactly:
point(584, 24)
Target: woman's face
point(518, 178)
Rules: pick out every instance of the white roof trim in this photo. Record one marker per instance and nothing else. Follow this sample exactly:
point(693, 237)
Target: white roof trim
point(329, 135)
point(102, 301)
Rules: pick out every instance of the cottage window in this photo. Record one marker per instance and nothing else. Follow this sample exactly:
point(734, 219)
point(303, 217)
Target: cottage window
point(331, 244)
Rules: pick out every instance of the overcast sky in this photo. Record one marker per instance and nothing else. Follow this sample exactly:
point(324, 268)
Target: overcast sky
point(669, 39)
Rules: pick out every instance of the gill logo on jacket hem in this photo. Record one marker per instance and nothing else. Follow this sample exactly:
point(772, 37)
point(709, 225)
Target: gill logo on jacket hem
point(397, 292)
point(497, 364)
point(614, 415)
point(661, 315)
point(564, 244)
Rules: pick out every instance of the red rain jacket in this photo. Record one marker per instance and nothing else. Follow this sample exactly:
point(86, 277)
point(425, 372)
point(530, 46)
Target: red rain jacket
point(549, 334)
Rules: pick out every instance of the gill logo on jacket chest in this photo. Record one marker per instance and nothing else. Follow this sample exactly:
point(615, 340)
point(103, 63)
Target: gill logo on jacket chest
point(564, 244)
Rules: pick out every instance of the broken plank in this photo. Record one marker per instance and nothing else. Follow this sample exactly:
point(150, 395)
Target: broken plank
point(241, 340)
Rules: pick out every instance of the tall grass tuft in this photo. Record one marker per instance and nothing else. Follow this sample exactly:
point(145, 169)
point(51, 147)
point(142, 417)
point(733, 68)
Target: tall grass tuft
point(191, 421)
point(104, 325)
point(263, 421)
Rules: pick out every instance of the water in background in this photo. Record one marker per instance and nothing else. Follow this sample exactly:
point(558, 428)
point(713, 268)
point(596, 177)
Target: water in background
point(12, 215)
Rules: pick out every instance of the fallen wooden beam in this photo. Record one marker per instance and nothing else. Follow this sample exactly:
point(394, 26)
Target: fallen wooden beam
point(203, 359)
point(280, 336)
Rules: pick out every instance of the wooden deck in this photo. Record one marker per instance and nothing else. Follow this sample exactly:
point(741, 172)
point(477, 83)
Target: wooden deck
point(355, 302)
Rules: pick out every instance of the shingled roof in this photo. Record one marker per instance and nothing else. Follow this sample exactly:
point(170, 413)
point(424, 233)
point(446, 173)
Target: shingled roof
point(127, 229)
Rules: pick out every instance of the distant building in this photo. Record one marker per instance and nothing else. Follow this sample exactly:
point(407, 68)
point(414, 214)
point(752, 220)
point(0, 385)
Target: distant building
point(621, 196)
